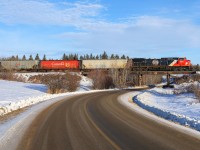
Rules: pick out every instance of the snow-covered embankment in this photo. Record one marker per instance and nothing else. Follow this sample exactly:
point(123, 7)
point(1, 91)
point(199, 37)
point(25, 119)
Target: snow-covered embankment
point(183, 108)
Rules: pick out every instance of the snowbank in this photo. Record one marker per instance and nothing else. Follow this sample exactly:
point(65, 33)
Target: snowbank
point(182, 108)
point(16, 95)
point(126, 100)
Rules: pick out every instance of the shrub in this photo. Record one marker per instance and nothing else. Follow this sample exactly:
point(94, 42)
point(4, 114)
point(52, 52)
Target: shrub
point(58, 83)
point(72, 81)
point(7, 75)
point(101, 80)
point(187, 79)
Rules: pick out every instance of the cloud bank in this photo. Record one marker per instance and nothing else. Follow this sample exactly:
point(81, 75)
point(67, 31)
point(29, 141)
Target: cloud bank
point(142, 35)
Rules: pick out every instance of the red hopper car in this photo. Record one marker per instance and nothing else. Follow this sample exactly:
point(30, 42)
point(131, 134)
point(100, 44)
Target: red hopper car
point(59, 64)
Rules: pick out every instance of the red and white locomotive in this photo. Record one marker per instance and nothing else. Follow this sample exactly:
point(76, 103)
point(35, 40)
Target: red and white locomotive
point(170, 63)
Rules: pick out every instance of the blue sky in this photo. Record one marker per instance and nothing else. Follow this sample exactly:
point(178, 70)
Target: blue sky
point(138, 28)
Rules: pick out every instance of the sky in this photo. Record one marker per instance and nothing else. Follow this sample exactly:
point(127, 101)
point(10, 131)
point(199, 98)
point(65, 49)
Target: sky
point(136, 28)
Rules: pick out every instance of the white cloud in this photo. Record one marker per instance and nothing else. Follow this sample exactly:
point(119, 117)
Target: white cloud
point(145, 34)
point(44, 12)
point(135, 36)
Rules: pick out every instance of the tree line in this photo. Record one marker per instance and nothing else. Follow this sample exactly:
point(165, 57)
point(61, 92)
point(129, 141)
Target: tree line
point(65, 56)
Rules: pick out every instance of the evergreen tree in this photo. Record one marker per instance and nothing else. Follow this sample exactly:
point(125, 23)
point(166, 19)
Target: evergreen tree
point(91, 57)
point(16, 58)
point(81, 57)
point(12, 58)
point(123, 57)
point(116, 56)
point(44, 57)
point(37, 57)
point(87, 57)
point(31, 57)
point(64, 57)
point(104, 55)
point(112, 56)
point(97, 57)
point(70, 57)
point(76, 57)
point(24, 57)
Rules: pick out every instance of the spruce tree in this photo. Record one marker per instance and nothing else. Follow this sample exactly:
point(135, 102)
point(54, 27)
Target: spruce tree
point(31, 57)
point(64, 57)
point(104, 55)
point(91, 56)
point(44, 57)
point(123, 57)
point(13, 58)
point(24, 57)
point(37, 57)
point(16, 58)
point(87, 57)
point(97, 57)
point(116, 56)
point(112, 56)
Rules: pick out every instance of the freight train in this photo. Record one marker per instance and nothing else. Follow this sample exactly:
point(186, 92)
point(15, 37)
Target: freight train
point(161, 64)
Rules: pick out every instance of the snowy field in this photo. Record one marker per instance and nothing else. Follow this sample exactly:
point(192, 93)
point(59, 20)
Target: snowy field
point(182, 108)
point(16, 95)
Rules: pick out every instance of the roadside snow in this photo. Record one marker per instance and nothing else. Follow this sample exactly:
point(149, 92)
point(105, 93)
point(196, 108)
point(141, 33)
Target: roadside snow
point(16, 95)
point(183, 109)
point(127, 100)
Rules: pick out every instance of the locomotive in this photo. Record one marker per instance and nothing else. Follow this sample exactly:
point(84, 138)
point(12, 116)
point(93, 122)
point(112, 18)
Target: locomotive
point(162, 64)
point(134, 64)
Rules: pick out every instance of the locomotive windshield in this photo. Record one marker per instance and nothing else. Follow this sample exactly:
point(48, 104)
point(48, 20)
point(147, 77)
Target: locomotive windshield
point(181, 58)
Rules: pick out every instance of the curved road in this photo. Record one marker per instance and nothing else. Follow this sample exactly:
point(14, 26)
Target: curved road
point(98, 121)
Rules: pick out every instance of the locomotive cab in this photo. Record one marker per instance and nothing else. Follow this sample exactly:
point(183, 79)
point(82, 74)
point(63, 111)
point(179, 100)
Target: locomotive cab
point(183, 62)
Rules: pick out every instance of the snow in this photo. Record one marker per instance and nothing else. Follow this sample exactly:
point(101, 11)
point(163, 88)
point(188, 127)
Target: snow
point(17, 95)
point(85, 84)
point(183, 108)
